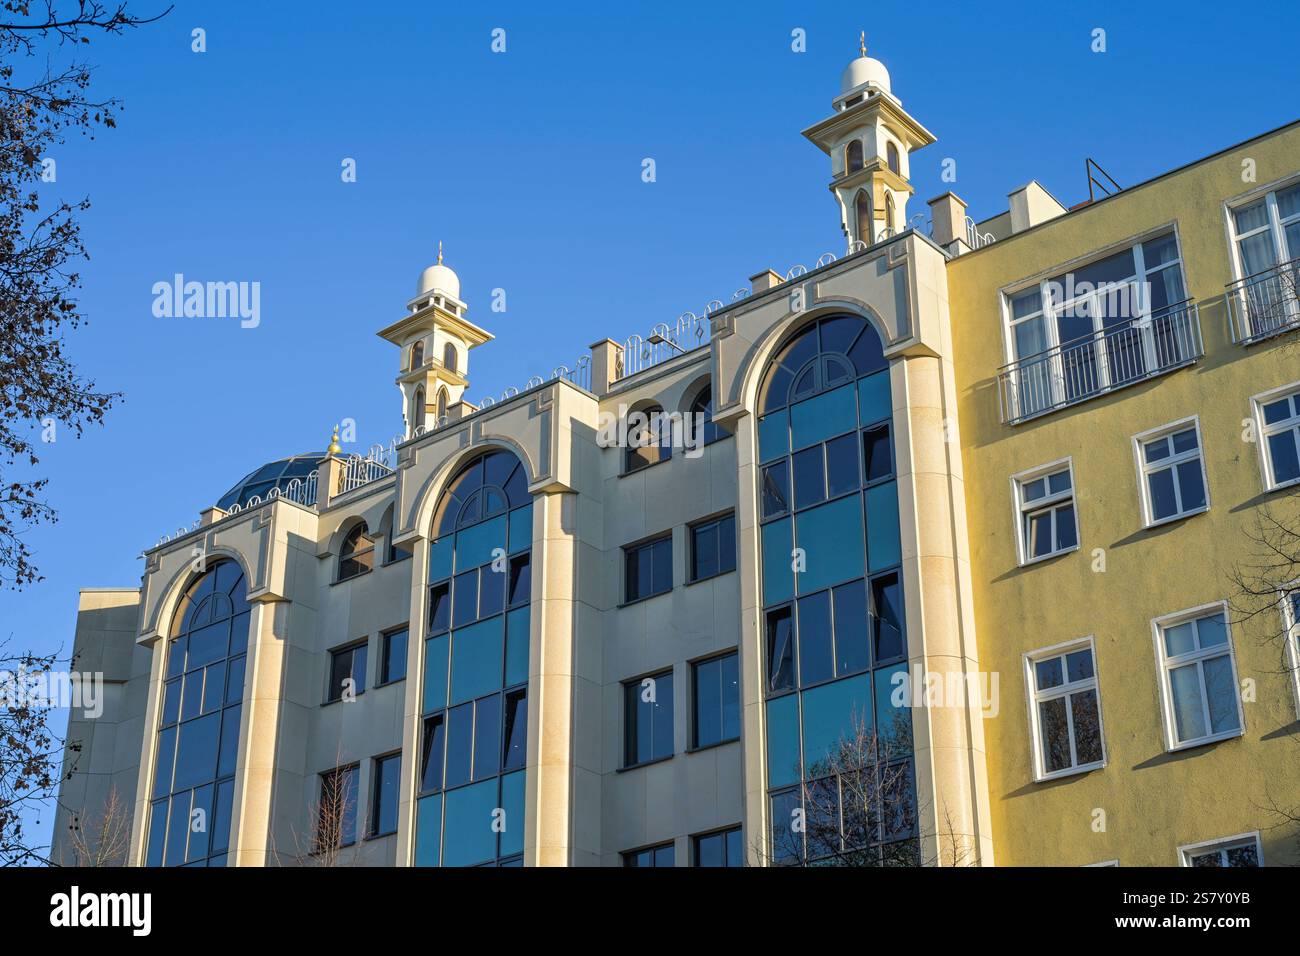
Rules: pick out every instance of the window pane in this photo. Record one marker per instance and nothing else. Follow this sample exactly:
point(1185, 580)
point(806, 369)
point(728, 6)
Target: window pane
point(477, 660)
point(1078, 665)
point(708, 703)
point(780, 650)
point(887, 610)
point(773, 435)
point(196, 752)
point(831, 538)
point(1180, 639)
point(828, 414)
point(1058, 482)
point(1191, 484)
point(816, 654)
point(874, 400)
point(704, 551)
point(1211, 631)
point(1282, 453)
point(1221, 694)
point(833, 714)
point(521, 579)
point(883, 546)
point(783, 740)
point(710, 850)
point(1253, 216)
point(229, 740)
point(394, 656)
point(491, 590)
point(517, 638)
point(387, 773)
point(1049, 673)
point(1163, 502)
point(439, 608)
point(778, 574)
point(776, 489)
point(516, 733)
point(1067, 535)
point(465, 599)
point(487, 736)
point(727, 544)
point(852, 645)
point(431, 754)
point(1185, 690)
point(460, 739)
point(1055, 733)
point(1087, 726)
point(663, 565)
point(809, 478)
point(842, 465)
point(878, 457)
point(435, 673)
point(1243, 856)
point(468, 837)
point(787, 828)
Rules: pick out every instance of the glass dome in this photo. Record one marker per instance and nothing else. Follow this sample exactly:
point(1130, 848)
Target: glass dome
point(275, 474)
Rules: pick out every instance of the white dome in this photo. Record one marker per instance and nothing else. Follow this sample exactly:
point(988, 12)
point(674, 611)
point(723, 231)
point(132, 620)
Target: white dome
point(864, 69)
point(440, 278)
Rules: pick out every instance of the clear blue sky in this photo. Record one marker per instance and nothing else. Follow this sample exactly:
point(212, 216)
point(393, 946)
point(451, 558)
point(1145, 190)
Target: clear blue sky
point(527, 165)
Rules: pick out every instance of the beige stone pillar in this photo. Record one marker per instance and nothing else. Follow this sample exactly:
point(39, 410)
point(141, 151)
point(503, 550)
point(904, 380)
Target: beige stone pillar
point(948, 216)
point(548, 840)
point(251, 838)
point(606, 365)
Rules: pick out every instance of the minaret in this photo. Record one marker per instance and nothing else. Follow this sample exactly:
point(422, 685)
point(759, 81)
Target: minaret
point(869, 139)
point(435, 339)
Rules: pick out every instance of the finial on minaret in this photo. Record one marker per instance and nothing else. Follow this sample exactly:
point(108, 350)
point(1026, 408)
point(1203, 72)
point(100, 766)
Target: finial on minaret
point(335, 448)
point(862, 43)
point(439, 252)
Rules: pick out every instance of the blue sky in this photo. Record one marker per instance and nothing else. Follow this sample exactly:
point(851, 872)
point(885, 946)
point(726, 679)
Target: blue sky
point(527, 165)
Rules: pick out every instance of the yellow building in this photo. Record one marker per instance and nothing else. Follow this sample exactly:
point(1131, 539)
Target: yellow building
point(1093, 390)
point(923, 554)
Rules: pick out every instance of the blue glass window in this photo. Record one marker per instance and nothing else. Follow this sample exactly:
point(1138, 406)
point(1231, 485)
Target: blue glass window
point(198, 736)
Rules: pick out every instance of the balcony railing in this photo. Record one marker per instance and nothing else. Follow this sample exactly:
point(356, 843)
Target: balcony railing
point(1264, 304)
point(1120, 355)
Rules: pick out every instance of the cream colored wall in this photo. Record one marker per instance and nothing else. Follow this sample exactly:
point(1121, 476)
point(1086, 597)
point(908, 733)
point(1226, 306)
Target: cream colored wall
point(101, 754)
point(1152, 801)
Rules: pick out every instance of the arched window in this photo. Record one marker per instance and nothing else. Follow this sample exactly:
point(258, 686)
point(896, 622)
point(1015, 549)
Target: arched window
point(392, 551)
point(198, 735)
point(703, 430)
point(449, 356)
point(891, 157)
point(649, 439)
point(417, 408)
point(862, 209)
point(834, 632)
point(442, 404)
point(889, 211)
point(853, 156)
point(474, 724)
point(357, 556)
point(417, 354)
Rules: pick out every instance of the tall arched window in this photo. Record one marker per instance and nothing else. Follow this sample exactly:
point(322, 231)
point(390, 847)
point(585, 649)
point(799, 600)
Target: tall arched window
point(889, 211)
point(862, 208)
point(891, 157)
point(839, 750)
point(449, 356)
point(417, 408)
point(417, 353)
point(474, 726)
point(198, 735)
point(853, 156)
point(703, 430)
point(357, 556)
point(442, 404)
point(649, 439)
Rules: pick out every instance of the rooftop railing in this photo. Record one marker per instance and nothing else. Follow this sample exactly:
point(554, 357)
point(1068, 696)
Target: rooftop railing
point(1120, 355)
point(1264, 304)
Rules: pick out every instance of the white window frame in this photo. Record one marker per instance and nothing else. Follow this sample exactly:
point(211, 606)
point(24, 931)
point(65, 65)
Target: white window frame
point(1291, 623)
point(1035, 696)
point(1164, 664)
point(1276, 225)
point(1022, 509)
point(1188, 850)
point(1048, 312)
point(1264, 431)
point(1102, 863)
point(1145, 469)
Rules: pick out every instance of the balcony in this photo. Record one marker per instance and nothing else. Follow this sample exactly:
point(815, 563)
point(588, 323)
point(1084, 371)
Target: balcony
point(1120, 355)
point(1265, 304)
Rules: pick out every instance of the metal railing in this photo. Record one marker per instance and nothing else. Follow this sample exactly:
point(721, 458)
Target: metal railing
point(1264, 304)
point(976, 239)
point(359, 470)
point(1120, 355)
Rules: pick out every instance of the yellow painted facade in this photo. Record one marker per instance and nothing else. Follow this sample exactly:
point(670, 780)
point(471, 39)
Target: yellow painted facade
point(1147, 800)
